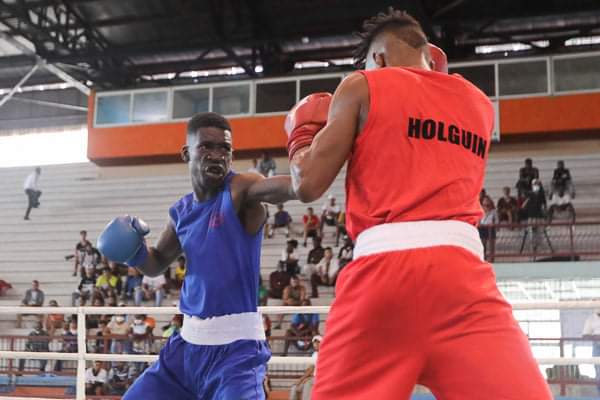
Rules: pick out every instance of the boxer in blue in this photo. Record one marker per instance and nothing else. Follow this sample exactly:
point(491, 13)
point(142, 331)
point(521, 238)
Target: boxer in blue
point(221, 352)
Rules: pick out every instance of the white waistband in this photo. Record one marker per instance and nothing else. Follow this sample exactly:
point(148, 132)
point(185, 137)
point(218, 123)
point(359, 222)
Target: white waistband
point(224, 329)
point(414, 235)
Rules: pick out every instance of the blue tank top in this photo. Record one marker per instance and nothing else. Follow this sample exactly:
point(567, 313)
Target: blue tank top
point(223, 260)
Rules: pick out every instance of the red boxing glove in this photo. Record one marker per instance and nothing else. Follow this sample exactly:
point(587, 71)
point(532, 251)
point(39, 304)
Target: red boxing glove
point(439, 58)
point(305, 120)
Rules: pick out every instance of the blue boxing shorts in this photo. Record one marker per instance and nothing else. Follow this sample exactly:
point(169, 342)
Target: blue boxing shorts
point(233, 371)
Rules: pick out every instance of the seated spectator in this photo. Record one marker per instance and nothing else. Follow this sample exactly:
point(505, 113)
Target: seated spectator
point(133, 283)
point(278, 280)
point(118, 326)
point(267, 166)
point(341, 228)
point(302, 388)
point(561, 179)
point(560, 201)
point(263, 293)
point(4, 287)
point(346, 253)
point(281, 219)
point(311, 225)
point(96, 379)
point(69, 343)
point(507, 207)
point(302, 328)
point(179, 272)
point(120, 378)
point(487, 229)
point(54, 321)
point(329, 214)
point(173, 327)
point(34, 297)
point(80, 249)
point(324, 273)
point(85, 290)
point(101, 345)
point(293, 295)
point(37, 341)
point(254, 167)
point(526, 175)
point(315, 255)
point(153, 288)
point(535, 201)
point(107, 283)
point(289, 257)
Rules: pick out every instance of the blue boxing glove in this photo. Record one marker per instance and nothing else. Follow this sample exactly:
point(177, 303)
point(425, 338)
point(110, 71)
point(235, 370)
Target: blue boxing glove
point(123, 241)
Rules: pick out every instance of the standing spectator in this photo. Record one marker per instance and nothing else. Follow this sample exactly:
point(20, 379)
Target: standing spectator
point(560, 201)
point(487, 229)
point(330, 213)
point(179, 272)
point(325, 271)
point(591, 331)
point(302, 388)
point(54, 321)
point(278, 281)
point(315, 255)
point(281, 219)
point(302, 328)
point(152, 288)
point(289, 257)
point(311, 224)
point(535, 201)
point(507, 207)
point(89, 259)
point(561, 179)
point(141, 338)
point(85, 290)
point(32, 191)
point(34, 297)
point(80, 250)
point(37, 342)
point(118, 326)
point(96, 379)
point(119, 378)
point(133, 284)
point(267, 166)
point(526, 175)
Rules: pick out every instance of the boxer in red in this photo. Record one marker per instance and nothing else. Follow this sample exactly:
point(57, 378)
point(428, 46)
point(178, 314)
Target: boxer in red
point(418, 304)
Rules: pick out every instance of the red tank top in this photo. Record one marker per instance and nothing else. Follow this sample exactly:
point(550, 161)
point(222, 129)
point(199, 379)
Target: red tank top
point(422, 152)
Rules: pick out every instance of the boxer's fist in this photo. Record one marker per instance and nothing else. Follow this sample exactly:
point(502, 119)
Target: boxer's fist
point(123, 241)
point(305, 120)
point(439, 58)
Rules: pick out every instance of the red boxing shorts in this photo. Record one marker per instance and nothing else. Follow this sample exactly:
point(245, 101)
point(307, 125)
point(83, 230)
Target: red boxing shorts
point(418, 305)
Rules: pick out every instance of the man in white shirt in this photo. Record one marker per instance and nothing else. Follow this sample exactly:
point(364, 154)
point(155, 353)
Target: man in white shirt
point(32, 191)
point(330, 213)
point(151, 288)
point(302, 389)
point(560, 201)
point(96, 379)
point(591, 331)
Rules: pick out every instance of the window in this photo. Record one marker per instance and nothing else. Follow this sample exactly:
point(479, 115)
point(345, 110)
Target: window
point(150, 106)
point(481, 76)
point(579, 73)
point(528, 77)
point(231, 100)
point(275, 97)
point(310, 86)
point(188, 102)
point(113, 109)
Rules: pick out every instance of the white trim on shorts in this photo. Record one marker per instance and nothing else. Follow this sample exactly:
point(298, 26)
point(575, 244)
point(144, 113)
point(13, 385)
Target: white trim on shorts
point(400, 236)
point(224, 329)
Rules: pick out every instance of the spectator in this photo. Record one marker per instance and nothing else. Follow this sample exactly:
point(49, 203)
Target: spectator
point(278, 281)
point(267, 324)
point(315, 255)
point(85, 290)
point(32, 191)
point(487, 229)
point(535, 201)
point(96, 379)
point(80, 250)
point(281, 219)
point(302, 388)
point(54, 321)
point(560, 201)
point(302, 328)
point(483, 195)
point(526, 175)
point(4, 287)
point(507, 207)
point(118, 326)
point(293, 295)
point(37, 342)
point(341, 228)
point(591, 331)
point(267, 166)
point(141, 338)
point(325, 271)
point(133, 284)
point(346, 253)
point(254, 167)
point(179, 272)
point(34, 297)
point(119, 378)
point(174, 327)
point(101, 345)
point(311, 224)
point(330, 213)
point(152, 288)
point(89, 259)
point(107, 283)
point(289, 257)
point(69, 343)
point(561, 179)
point(263, 293)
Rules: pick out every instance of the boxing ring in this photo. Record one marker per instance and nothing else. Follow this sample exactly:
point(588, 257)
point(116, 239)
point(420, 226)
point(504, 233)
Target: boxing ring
point(82, 355)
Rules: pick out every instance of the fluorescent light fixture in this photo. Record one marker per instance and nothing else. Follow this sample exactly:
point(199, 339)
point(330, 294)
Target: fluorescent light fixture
point(506, 47)
point(582, 41)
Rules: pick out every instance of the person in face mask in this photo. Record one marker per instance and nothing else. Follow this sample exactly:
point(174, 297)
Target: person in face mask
point(535, 202)
point(118, 326)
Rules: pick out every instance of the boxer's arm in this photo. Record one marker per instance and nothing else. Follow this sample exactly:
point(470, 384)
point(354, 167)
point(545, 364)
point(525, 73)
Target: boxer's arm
point(161, 255)
point(314, 168)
